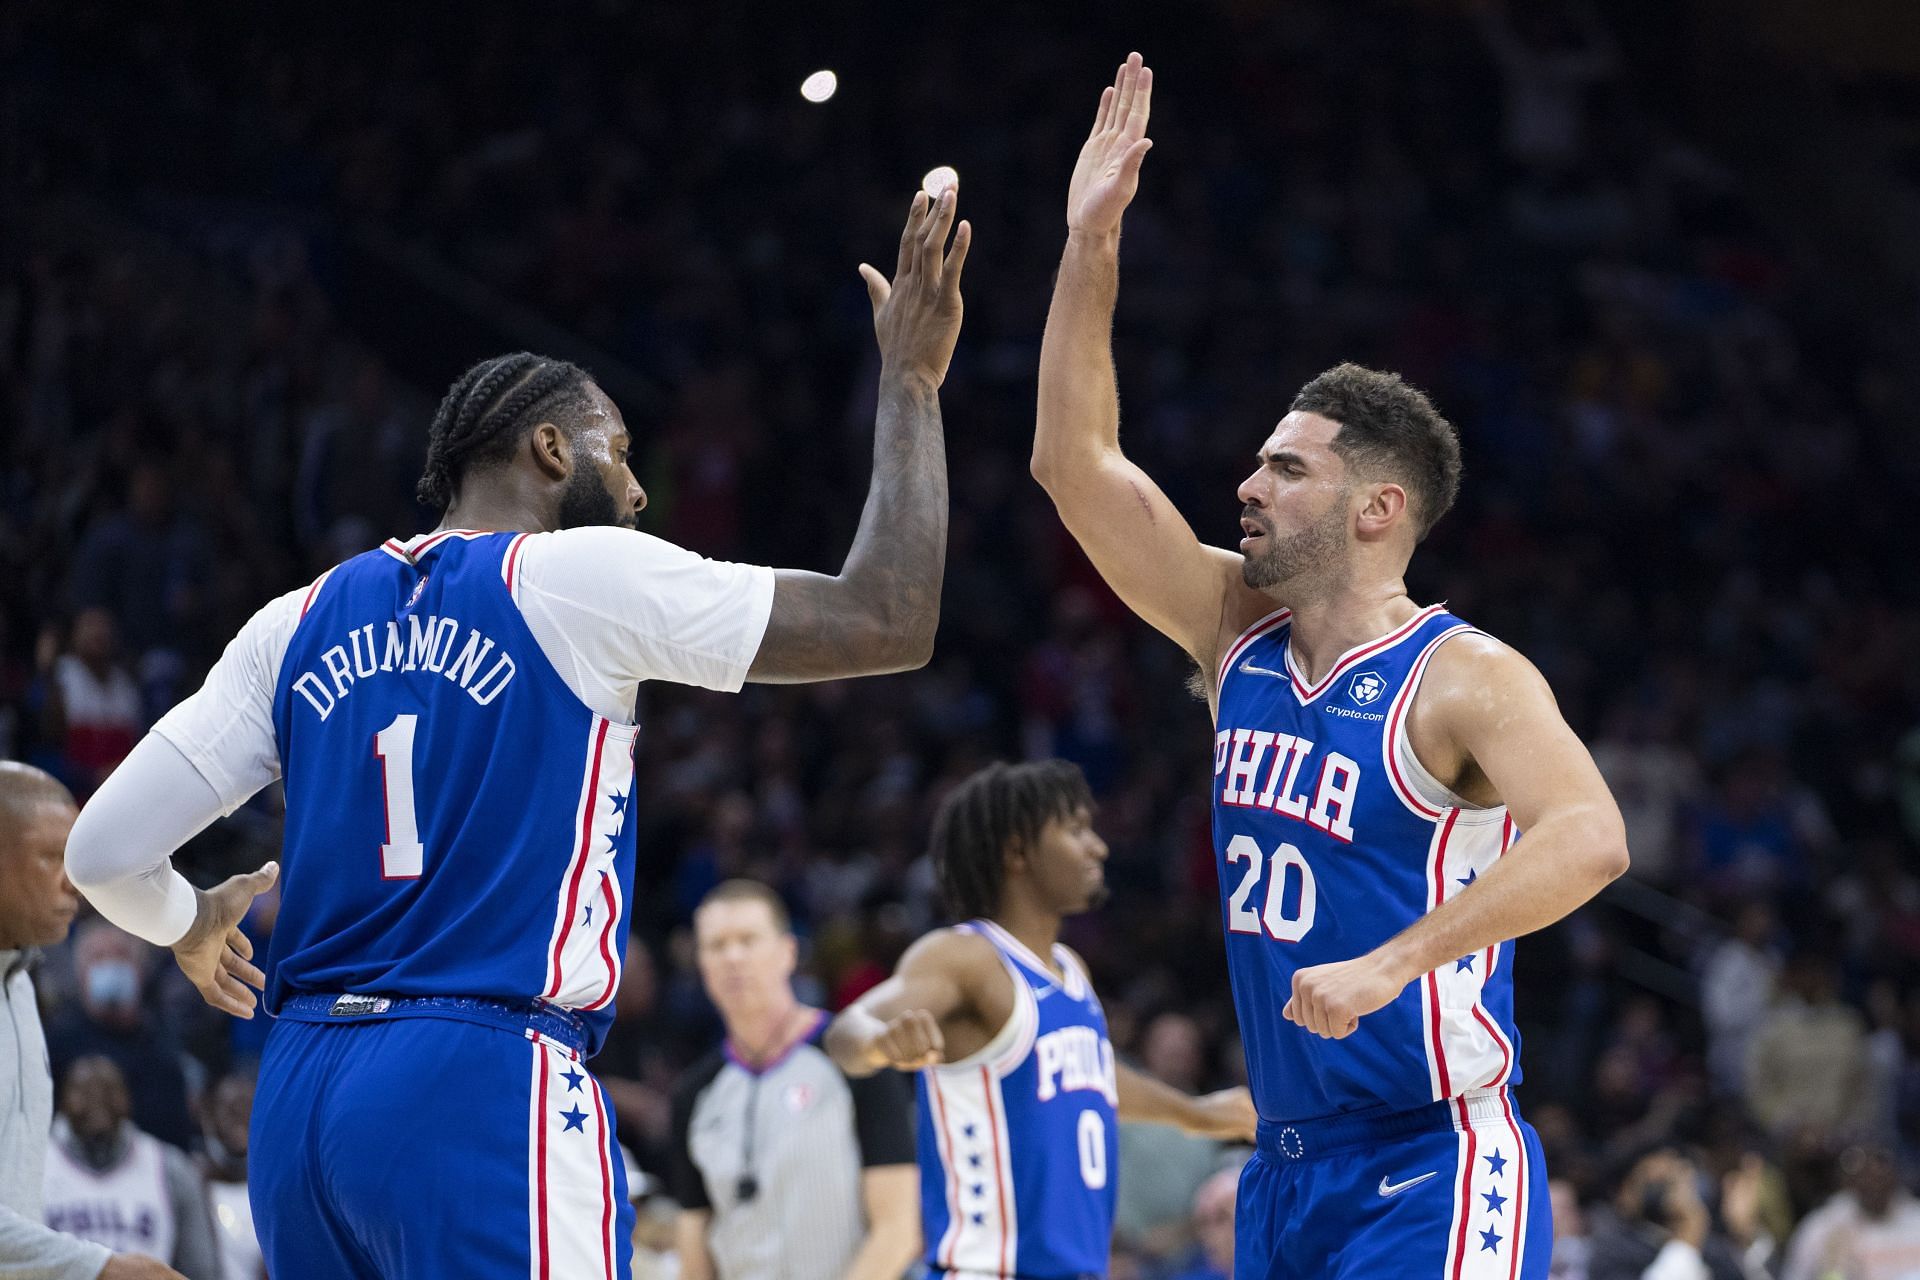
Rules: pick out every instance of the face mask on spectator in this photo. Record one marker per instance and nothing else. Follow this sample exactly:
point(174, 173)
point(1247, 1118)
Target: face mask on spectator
point(112, 984)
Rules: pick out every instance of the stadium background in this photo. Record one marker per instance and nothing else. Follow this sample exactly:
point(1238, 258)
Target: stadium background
point(1655, 259)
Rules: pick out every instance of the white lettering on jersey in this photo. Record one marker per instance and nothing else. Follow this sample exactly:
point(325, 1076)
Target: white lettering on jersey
point(1076, 1058)
point(480, 666)
point(1241, 755)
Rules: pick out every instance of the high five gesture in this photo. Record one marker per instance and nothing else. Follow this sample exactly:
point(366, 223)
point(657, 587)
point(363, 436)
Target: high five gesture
point(1108, 171)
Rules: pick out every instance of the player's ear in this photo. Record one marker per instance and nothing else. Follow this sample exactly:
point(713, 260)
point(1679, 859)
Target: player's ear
point(552, 451)
point(1385, 507)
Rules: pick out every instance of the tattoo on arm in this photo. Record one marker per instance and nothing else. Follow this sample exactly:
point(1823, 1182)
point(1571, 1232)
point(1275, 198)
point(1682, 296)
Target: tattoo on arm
point(880, 613)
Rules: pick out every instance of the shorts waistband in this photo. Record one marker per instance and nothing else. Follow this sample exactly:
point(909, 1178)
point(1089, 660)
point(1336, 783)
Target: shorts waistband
point(1294, 1140)
point(562, 1026)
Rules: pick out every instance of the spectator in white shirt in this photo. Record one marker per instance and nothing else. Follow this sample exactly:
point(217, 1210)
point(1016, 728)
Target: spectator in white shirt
point(1868, 1231)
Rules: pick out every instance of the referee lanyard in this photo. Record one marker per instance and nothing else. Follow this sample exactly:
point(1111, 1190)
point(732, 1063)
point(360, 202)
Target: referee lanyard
point(749, 1184)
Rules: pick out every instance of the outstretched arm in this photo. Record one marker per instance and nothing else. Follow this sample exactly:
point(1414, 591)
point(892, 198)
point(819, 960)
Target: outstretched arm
point(880, 612)
point(1133, 534)
point(1227, 1115)
point(1486, 709)
point(904, 1022)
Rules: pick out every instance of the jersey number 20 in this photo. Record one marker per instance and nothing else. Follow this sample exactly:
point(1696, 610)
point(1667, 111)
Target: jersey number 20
point(402, 855)
point(1278, 924)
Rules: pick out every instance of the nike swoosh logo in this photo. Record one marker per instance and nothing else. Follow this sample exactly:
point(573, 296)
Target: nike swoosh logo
point(1248, 667)
point(1395, 1188)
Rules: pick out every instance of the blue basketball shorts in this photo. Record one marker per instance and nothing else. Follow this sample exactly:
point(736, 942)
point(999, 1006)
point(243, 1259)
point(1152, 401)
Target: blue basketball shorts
point(1452, 1191)
point(427, 1145)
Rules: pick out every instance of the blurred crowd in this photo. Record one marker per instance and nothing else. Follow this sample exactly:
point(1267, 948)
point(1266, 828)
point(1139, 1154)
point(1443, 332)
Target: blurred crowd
point(1680, 464)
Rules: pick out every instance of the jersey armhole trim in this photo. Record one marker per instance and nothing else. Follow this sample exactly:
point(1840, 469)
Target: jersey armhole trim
point(1246, 638)
point(313, 592)
point(1405, 789)
point(1014, 1040)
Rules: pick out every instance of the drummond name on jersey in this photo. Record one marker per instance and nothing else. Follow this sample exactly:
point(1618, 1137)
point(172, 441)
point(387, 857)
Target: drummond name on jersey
point(1278, 772)
point(433, 645)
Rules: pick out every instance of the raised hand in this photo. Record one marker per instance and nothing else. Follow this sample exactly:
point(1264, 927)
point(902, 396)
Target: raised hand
point(216, 957)
point(1108, 171)
point(911, 1041)
point(916, 316)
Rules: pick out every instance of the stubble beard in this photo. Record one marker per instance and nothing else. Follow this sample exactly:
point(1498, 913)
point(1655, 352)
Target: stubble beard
point(1320, 546)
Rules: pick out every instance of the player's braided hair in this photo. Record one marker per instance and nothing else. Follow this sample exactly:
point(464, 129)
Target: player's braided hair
point(987, 813)
point(488, 411)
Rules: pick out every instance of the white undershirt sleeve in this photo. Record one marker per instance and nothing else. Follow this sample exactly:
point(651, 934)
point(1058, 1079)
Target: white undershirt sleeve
point(613, 607)
point(204, 759)
point(120, 854)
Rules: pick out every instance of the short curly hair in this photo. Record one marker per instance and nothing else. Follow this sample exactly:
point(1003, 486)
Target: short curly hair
point(1391, 431)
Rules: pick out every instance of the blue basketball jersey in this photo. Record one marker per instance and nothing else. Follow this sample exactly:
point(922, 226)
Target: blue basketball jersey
point(1329, 838)
point(1016, 1142)
point(457, 819)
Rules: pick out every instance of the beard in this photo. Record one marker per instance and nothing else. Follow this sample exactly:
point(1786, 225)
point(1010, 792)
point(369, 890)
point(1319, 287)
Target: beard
point(586, 502)
point(1320, 544)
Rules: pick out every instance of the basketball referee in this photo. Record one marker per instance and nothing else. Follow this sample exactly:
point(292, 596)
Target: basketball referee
point(784, 1168)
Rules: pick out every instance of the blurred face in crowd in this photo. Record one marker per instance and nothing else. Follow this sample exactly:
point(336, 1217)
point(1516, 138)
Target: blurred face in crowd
point(1213, 1217)
point(1066, 866)
point(746, 959)
point(1173, 1050)
point(111, 966)
point(93, 636)
point(1296, 506)
point(601, 490)
point(1873, 1177)
point(229, 1110)
point(95, 1103)
point(37, 902)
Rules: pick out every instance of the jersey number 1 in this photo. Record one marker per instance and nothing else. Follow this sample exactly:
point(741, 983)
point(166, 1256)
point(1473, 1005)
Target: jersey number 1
point(402, 856)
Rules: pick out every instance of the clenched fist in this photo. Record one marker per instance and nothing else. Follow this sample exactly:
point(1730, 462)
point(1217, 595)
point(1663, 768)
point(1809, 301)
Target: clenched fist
point(1330, 999)
point(911, 1041)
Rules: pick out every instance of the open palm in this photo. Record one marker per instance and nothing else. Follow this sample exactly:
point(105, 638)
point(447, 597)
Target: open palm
point(1108, 171)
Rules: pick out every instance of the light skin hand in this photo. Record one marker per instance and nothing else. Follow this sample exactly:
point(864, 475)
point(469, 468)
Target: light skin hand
point(1107, 174)
point(214, 954)
point(1227, 1115)
point(132, 1266)
point(909, 1041)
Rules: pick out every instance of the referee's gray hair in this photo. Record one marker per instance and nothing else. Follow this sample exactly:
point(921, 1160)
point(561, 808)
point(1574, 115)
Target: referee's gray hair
point(743, 890)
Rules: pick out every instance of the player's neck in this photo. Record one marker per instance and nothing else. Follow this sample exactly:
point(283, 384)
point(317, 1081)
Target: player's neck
point(1035, 929)
point(1329, 622)
point(502, 504)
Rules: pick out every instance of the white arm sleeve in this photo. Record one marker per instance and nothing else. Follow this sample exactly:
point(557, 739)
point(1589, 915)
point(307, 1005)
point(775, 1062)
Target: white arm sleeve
point(612, 607)
point(205, 758)
point(120, 854)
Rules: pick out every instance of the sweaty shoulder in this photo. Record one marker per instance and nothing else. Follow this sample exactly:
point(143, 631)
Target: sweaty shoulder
point(960, 952)
point(1474, 686)
point(613, 607)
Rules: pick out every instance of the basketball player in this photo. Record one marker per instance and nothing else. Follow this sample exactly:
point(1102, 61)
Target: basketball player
point(1374, 762)
point(1018, 1089)
point(452, 714)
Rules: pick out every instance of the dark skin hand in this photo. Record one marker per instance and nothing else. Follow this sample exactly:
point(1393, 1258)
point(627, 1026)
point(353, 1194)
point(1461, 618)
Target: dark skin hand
point(879, 614)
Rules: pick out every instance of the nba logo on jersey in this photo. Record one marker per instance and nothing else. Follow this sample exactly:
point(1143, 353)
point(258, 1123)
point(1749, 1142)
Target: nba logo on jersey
point(1366, 687)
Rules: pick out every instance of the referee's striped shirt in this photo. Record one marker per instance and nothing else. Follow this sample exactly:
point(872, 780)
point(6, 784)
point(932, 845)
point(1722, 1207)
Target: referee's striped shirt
point(801, 1132)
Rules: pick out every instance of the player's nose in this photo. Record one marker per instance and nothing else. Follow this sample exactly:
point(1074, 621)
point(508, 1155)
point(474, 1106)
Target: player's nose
point(1249, 490)
point(638, 496)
